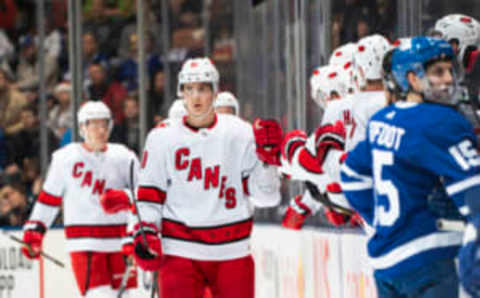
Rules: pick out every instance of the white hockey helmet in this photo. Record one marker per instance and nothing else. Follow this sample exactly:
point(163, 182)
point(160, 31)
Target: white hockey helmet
point(326, 80)
point(198, 70)
point(368, 58)
point(94, 110)
point(227, 99)
point(462, 29)
point(343, 54)
point(177, 109)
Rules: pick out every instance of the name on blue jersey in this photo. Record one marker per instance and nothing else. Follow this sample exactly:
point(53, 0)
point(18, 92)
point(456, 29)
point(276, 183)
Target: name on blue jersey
point(386, 135)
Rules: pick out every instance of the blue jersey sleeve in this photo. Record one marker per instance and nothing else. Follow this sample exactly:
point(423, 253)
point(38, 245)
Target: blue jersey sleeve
point(357, 181)
point(450, 152)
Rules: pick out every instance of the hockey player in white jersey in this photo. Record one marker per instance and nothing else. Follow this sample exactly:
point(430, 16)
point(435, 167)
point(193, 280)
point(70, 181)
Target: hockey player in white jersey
point(227, 103)
point(302, 158)
point(195, 180)
point(78, 175)
point(343, 126)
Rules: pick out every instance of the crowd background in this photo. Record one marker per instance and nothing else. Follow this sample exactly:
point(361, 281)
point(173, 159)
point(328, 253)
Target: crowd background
point(264, 50)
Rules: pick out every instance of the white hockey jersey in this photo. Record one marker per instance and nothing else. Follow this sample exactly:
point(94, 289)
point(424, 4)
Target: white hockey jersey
point(77, 177)
point(195, 185)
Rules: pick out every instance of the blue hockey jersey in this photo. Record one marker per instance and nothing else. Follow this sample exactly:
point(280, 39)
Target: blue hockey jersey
point(409, 150)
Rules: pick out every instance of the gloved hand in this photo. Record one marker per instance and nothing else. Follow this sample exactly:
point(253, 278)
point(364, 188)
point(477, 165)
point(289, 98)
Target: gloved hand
point(336, 218)
point(127, 245)
point(33, 238)
point(115, 200)
point(296, 214)
point(268, 138)
point(292, 141)
point(147, 255)
point(469, 259)
point(327, 137)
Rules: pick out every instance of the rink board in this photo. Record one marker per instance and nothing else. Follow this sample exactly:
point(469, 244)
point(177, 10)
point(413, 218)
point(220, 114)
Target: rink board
point(311, 263)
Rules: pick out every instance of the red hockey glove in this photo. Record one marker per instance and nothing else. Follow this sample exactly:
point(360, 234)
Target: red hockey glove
point(148, 256)
point(292, 141)
point(336, 218)
point(296, 214)
point(356, 220)
point(33, 238)
point(329, 136)
point(268, 137)
point(127, 245)
point(115, 200)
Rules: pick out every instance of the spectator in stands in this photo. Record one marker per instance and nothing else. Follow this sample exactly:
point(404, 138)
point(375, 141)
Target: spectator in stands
point(156, 99)
point(111, 93)
point(354, 12)
point(60, 117)
point(128, 71)
point(27, 69)
point(26, 143)
point(128, 132)
point(91, 53)
point(11, 103)
point(14, 207)
point(8, 15)
point(6, 48)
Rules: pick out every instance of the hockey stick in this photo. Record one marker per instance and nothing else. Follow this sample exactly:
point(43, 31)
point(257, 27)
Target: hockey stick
point(126, 275)
point(325, 200)
point(43, 254)
point(140, 227)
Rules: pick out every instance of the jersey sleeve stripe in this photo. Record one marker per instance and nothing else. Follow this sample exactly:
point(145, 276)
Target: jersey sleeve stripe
point(48, 199)
point(351, 173)
point(207, 235)
point(356, 186)
point(419, 245)
point(151, 194)
point(292, 146)
point(309, 162)
point(463, 185)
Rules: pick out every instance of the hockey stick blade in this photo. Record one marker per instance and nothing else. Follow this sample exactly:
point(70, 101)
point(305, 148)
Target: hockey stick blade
point(42, 253)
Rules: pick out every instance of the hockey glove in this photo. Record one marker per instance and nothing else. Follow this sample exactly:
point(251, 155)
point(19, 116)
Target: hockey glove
point(327, 137)
point(33, 238)
point(127, 245)
point(268, 138)
point(147, 255)
point(292, 141)
point(300, 208)
point(336, 218)
point(115, 200)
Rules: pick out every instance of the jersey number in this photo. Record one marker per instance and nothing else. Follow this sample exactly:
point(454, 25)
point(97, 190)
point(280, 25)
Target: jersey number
point(465, 155)
point(384, 217)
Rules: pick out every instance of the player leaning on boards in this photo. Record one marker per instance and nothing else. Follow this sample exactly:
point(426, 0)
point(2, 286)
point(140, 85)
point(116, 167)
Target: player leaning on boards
point(411, 147)
point(78, 175)
point(196, 176)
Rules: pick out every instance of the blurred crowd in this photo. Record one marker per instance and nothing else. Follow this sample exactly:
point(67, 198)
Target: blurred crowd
point(110, 72)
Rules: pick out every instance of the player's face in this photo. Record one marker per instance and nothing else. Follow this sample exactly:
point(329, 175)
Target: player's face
point(198, 98)
point(225, 110)
point(96, 133)
point(441, 77)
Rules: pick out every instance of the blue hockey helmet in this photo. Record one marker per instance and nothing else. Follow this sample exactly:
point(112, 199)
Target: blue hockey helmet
point(413, 56)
